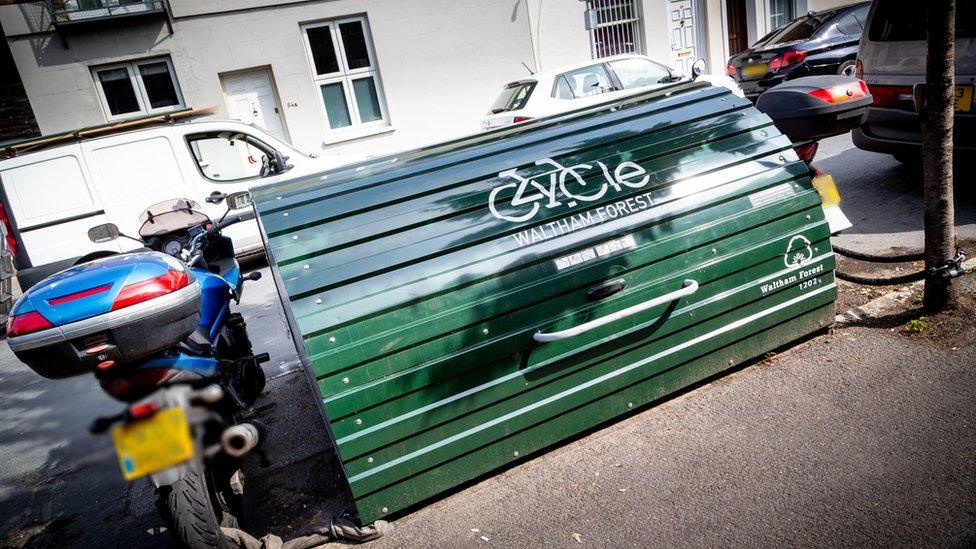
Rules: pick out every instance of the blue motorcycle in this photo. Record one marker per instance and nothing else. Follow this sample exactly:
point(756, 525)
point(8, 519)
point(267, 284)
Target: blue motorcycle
point(156, 328)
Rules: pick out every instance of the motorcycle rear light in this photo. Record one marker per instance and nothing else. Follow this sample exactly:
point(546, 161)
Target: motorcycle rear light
point(105, 365)
point(27, 323)
point(138, 292)
point(894, 97)
point(78, 295)
point(789, 58)
point(730, 70)
point(520, 119)
point(807, 152)
point(143, 410)
point(841, 92)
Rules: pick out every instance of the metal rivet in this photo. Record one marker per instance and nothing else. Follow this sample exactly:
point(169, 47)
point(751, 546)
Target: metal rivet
point(808, 217)
point(782, 158)
point(515, 454)
point(731, 362)
point(285, 214)
point(277, 198)
point(295, 237)
point(485, 331)
point(359, 421)
point(369, 460)
point(305, 266)
point(714, 251)
point(332, 339)
point(345, 380)
point(630, 404)
point(816, 249)
point(764, 134)
point(384, 510)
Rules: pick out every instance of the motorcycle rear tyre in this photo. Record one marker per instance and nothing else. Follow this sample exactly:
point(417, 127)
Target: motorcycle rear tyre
point(188, 508)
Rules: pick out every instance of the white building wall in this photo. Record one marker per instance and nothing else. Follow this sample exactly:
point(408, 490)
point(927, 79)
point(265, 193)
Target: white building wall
point(441, 62)
point(558, 35)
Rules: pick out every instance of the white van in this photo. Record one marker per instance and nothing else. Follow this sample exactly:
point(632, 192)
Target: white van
point(55, 188)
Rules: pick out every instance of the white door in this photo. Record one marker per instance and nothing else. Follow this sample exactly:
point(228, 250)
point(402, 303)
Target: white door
point(681, 22)
point(251, 99)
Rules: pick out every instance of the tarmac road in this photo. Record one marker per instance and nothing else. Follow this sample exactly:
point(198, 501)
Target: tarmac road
point(871, 444)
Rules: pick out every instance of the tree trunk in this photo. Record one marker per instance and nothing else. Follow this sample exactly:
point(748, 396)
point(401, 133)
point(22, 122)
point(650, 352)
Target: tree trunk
point(936, 118)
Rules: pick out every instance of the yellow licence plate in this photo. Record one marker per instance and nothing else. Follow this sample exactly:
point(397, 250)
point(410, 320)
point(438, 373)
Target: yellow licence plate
point(829, 196)
point(153, 444)
point(751, 71)
point(964, 98)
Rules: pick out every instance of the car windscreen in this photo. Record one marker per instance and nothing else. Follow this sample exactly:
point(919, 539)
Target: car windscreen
point(513, 97)
point(891, 22)
point(801, 28)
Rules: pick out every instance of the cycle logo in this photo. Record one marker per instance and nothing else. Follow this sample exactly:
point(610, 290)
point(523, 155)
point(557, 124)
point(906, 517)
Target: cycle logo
point(531, 195)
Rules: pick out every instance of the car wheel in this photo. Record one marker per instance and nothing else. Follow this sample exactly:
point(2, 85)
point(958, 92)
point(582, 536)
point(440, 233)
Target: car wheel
point(847, 68)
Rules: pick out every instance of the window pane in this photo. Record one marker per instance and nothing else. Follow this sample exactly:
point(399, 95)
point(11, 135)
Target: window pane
point(354, 43)
point(589, 81)
point(367, 100)
point(159, 85)
point(323, 52)
point(335, 105)
point(563, 91)
point(228, 159)
point(117, 87)
point(637, 73)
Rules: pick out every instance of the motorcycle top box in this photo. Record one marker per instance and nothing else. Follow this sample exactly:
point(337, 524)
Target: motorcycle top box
point(97, 314)
point(816, 107)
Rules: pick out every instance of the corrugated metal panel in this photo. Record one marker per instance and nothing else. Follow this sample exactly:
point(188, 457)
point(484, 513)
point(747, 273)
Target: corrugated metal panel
point(416, 282)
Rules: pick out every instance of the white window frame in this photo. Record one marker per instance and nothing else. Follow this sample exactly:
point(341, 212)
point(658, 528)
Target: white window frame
point(346, 77)
point(788, 16)
point(142, 98)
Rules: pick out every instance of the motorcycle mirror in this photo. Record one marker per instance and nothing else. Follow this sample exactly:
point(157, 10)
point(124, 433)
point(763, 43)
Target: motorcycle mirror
point(238, 201)
point(697, 68)
point(100, 234)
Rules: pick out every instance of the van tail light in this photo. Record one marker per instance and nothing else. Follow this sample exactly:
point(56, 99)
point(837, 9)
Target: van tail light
point(787, 59)
point(858, 69)
point(730, 70)
point(841, 92)
point(893, 97)
point(520, 119)
point(27, 323)
point(807, 152)
point(149, 289)
point(143, 410)
point(8, 231)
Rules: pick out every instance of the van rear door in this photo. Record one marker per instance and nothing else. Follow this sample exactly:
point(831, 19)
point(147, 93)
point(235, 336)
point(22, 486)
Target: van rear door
point(52, 203)
point(133, 172)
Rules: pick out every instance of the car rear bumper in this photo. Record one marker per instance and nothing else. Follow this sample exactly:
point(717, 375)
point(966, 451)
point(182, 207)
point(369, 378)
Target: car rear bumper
point(896, 131)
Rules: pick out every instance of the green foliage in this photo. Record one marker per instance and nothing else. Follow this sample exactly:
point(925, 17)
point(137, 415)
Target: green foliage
point(916, 326)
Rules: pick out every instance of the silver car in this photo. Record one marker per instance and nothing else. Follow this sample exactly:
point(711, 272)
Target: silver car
point(891, 59)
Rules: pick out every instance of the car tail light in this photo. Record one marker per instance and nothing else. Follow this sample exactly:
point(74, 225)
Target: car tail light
point(150, 289)
point(27, 323)
point(841, 92)
point(78, 295)
point(789, 58)
point(807, 152)
point(730, 70)
point(520, 119)
point(858, 69)
point(9, 236)
point(895, 97)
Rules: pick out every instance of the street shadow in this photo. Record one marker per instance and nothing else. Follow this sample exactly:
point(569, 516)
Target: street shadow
point(59, 485)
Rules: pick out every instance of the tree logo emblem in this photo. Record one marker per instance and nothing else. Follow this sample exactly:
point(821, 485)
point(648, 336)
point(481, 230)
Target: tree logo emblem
point(798, 252)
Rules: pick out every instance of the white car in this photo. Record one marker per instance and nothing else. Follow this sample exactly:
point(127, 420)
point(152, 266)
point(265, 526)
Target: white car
point(582, 84)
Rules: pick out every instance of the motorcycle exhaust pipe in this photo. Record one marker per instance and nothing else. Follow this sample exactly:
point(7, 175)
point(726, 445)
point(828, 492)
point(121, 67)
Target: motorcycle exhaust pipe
point(238, 440)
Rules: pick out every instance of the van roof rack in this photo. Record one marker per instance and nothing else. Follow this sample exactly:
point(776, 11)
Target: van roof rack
point(10, 149)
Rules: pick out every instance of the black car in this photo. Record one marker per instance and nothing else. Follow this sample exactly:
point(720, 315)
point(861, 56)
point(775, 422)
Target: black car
point(822, 42)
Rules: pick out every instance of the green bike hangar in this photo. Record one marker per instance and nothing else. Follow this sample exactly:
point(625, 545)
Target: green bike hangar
point(465, 305)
